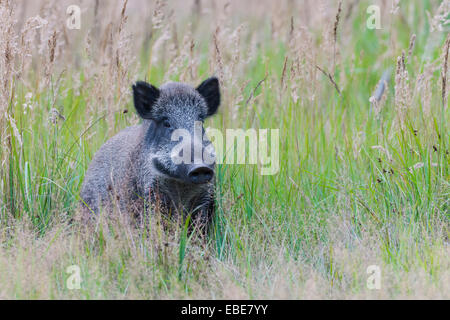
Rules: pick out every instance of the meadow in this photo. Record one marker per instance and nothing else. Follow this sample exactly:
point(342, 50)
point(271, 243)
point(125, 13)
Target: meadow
point(364, 178)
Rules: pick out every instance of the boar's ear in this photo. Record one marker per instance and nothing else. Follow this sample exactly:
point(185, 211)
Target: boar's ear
point(209, 89)
point(145, 96)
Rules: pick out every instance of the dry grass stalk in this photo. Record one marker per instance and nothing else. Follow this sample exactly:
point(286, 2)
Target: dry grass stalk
point(304, 55)
point(330, 77)
point(412, 42)
point(218, 56)
point(440, 18)
point(335, 30)
point(444, 72)
point(283, 76)
point(48, 68)
point(423, 86)
point(402, 91)
point(8, 50)
point(158, 15)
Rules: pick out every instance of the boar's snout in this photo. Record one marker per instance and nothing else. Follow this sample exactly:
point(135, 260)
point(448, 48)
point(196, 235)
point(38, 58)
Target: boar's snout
point(199, 174)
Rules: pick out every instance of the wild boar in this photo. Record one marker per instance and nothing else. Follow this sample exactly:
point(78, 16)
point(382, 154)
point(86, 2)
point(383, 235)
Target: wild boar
point(137, 167)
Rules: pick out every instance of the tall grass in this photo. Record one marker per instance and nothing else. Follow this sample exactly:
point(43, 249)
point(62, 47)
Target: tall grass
point(359, 184)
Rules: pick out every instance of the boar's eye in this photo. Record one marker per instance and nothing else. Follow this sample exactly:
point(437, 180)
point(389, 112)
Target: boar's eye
point(166, 124)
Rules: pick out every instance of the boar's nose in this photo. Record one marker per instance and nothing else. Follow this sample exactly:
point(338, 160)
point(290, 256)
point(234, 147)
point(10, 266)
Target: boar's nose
point(200, 174)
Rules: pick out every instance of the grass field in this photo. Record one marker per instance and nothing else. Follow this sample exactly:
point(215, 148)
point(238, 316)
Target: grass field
point(360, 183)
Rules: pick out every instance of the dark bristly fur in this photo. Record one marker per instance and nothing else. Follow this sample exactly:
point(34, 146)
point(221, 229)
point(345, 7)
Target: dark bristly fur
point(135, 165)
